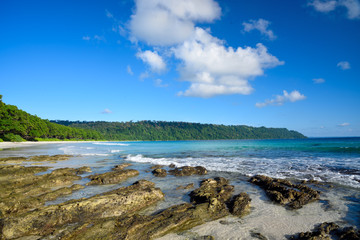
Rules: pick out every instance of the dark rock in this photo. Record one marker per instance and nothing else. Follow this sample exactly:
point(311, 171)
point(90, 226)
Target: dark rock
point(112, 177)
point(172, 165)
point(321, 232)
point(285, 193)
point(158, 172)
point(257, 235)
point(188, 171)
point(349, 233)
point(189, 186)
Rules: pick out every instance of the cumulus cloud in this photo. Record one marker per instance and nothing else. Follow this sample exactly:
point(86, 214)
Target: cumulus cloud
point(153, 59)
point(344, 65)
point(214, 69)
point(281, 99)
point(260, 25)
point(129, 70)
point(318, 80)
point(344, 124)
point(106, 111)
point(351, 6)
point(168, 22)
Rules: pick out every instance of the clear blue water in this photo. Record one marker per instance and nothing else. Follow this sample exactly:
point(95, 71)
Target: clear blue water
point(335, 160)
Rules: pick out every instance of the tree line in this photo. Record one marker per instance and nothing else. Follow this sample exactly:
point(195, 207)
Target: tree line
point(161, 130)
point(17, 125)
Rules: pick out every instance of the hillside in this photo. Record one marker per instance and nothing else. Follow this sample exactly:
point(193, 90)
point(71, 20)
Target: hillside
point(160, 130)
point(17, 125)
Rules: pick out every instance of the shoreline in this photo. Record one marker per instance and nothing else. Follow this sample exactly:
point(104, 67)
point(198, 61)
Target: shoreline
point(7, 145)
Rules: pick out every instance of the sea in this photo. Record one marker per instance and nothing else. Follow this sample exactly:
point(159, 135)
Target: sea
point(334, 162)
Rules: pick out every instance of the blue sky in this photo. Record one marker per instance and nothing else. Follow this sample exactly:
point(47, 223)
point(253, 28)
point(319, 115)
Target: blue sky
point(292, 64)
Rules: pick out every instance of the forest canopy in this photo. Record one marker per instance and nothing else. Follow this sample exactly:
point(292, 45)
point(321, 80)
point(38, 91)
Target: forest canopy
point(18, 125)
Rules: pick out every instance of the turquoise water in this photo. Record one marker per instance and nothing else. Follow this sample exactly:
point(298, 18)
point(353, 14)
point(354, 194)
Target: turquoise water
point(335, 160)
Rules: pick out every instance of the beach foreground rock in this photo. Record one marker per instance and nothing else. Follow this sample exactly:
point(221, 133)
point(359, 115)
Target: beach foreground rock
point(113, 177)
point(328, 231)
point(188, 171)
point(118, 202)
point(286, 193)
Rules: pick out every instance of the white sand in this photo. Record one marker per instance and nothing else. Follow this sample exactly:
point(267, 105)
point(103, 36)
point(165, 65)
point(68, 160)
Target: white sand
point(4, 145)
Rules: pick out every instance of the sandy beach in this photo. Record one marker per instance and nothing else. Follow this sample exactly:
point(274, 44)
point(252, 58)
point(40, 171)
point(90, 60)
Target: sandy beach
point(6, 145)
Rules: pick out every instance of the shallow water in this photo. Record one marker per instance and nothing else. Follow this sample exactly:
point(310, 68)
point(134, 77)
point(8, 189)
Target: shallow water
point(336, 161)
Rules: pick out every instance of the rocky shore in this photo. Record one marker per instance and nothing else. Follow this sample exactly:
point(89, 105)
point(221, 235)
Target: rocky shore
point(116, 214)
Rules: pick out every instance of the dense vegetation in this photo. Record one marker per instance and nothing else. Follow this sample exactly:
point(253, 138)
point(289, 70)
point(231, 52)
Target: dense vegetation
point(17, 125)
point(159, 130)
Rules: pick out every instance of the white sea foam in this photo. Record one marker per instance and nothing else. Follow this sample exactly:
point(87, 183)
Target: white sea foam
point(279, 168)
point(111, 144)
point(116, 151)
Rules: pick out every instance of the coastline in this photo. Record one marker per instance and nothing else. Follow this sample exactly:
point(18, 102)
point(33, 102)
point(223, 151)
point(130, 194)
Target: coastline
point(6, 145)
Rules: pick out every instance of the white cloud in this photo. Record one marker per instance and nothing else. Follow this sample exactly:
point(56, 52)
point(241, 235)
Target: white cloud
point(344, 65)
point(86, 38)
point(345, 124)
point(168, 22)
point(281, 99)
point(213, 69)
point(129, 70)
point(153, 59)
point(260, 25)
point(318, 80)
point(159, 83)
point(351, 6)
point(324, 6)
point(106, 111)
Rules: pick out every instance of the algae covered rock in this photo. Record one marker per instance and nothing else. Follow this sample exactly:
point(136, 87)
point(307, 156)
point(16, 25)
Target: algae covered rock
point(121, 166)
point(286, 193)
point(188, 171)
point(208, 205)
point(158, 172)
point(112, 177)
point(188, 186)
point(118, 202)
point(240, 205)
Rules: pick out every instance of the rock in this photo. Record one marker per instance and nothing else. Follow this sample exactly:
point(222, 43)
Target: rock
point(48, 158)
point(208, 205)
point(172, 165)
point(158, 172)
point(209, 189)
point(240, 205)
point(156, 166)
point(349, 233)
point(285, 193)
point(112, 177)
point(187, 171)
point(83, 170)
point(118, 202)
point(189, 186)
point(321, 232)
point(257, 235)
point(121, 166)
